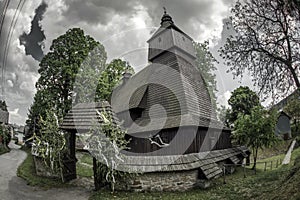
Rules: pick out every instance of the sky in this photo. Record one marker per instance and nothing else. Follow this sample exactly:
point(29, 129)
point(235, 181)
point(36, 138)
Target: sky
point(123, 27)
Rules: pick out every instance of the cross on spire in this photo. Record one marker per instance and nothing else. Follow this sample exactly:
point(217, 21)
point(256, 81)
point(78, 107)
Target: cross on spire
point(165, 10)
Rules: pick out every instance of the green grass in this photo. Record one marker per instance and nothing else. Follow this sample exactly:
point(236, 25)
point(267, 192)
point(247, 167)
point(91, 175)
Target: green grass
point(83, 170)
point(27, 171)
point(84, 166)
point(87, 158)
point(279, 148)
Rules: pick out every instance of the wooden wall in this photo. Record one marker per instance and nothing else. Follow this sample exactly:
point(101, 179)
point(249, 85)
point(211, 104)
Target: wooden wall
point(184, 141)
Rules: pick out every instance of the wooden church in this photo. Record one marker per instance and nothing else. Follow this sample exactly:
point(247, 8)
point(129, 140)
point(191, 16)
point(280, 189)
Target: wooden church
point(176, 141)
point(166, 107)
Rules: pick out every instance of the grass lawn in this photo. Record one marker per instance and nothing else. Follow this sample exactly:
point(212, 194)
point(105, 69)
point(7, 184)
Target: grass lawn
point(84, 166)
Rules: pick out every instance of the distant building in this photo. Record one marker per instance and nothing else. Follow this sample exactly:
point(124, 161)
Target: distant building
point(283, 126)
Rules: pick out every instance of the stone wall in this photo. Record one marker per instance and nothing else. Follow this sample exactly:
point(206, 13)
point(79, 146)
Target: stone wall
point(166, 181)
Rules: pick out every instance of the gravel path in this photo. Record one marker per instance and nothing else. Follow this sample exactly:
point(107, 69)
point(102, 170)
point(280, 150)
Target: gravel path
point(15, 188)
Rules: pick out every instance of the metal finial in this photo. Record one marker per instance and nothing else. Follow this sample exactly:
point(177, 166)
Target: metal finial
point(165, 10)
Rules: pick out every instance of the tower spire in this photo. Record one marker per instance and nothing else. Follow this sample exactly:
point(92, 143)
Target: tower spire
point(166, 18)
point(165, 10)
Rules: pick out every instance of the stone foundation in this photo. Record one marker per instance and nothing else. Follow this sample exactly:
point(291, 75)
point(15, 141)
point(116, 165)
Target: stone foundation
point(166, 181)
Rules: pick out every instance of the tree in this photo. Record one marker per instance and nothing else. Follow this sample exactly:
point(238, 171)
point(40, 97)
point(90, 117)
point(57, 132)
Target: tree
point(88, 75)
point(58, 69)
point(111, 77)
point(293, 110)
point(5, 137)
point(41, 104)
point(266, 44)
point(205, 64)
point(3, 105)
point(242, 100)
point(224, 115)
point(71, 54)
point(255, 130)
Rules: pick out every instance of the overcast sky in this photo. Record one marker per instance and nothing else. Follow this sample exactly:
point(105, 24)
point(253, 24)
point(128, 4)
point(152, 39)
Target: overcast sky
point(123, 27)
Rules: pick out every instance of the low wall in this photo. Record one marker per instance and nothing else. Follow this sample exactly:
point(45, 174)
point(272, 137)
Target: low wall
point(166, 181)
point(43, 170)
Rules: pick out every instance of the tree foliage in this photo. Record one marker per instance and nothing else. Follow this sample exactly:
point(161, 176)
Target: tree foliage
point(266, 44)
point(88, 76)
point(106, 144)
point(3, 105)
point(50, 145)
point(205, 62)
point(256, 129)
point(4, 136)
point(58, 69)
point(110, 78)
point(71, 54)
point(293, 110)
point(242, 100)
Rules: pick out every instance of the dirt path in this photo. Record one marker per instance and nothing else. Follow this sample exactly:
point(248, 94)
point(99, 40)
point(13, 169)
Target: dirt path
point(15, 188)
point(288, 155)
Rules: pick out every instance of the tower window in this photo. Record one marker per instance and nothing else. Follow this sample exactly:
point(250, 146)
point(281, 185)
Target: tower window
point(183, 38)
point(159, 39)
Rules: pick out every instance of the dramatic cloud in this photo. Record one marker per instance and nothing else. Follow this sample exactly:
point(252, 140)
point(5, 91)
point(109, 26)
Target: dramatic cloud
point(123, 27)
point(20, 70)
point(34, 40)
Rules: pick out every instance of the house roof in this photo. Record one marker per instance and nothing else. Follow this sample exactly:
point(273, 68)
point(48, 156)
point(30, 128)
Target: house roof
point(282, 113)
point(167, 23)
point(84, 115)
point(206, 161)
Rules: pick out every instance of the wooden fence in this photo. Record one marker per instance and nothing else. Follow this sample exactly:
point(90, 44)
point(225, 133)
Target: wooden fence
point(267, 165)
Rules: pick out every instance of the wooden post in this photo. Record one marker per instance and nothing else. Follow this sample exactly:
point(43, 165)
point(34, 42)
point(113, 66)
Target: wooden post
point(224, 179)
point(255, 169)
point(96, 175)
point(271, 165)
point(265, 166)
point(276, 163)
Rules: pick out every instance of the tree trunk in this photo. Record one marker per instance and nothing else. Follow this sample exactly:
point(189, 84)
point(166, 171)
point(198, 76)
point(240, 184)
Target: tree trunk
point(254, 158)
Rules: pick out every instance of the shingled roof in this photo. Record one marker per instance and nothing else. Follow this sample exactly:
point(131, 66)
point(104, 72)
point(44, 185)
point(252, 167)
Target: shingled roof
point(83, 116)
point(206, 161)
point(177, 86)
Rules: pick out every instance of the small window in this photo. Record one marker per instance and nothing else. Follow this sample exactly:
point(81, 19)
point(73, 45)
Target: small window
point(183, 38)
point(159, 39)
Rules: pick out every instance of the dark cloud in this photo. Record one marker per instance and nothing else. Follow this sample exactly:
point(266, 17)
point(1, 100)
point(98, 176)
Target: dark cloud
point(183, 12)
point(95, 11)
point(33, 40)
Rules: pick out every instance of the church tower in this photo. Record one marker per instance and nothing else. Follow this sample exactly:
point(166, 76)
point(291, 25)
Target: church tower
point(169, 38)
